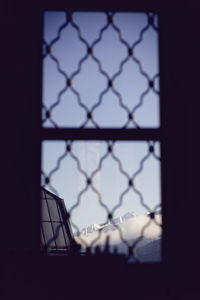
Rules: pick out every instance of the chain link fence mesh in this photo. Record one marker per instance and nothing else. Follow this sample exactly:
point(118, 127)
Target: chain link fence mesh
point(98, 237)
point(112, 75)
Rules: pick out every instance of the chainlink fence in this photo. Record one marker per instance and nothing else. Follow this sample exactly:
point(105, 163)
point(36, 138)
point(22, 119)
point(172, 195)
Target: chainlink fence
point(116, 91)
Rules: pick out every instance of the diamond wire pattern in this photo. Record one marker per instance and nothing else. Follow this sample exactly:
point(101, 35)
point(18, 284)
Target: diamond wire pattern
point(89, 183)
point(89, 117)
point(150, 23)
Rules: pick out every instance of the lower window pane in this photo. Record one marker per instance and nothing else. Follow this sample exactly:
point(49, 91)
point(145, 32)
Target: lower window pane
point(112, 192)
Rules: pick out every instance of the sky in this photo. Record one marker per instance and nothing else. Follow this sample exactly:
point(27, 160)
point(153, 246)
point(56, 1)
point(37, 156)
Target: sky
point(68, 181)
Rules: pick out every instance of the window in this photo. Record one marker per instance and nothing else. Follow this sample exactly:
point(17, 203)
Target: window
point(20, 167)
point(54, 222)
point(101, 127)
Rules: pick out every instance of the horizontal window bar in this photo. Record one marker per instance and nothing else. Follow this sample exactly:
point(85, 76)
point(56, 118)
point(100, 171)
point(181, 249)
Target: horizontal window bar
point(100, 134)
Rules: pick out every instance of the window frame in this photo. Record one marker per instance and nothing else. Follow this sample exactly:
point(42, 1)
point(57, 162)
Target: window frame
point(22, 137)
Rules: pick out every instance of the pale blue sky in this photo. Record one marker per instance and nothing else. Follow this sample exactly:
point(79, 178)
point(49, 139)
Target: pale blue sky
point(110, 182)
point(90, 83)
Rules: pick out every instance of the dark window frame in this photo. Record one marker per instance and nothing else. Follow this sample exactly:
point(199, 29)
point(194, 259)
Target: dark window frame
point(22, 137)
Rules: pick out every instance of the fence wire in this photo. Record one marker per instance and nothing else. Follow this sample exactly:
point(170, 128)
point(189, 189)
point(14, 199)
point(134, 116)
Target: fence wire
point(131, 246)
point(151, 84)
point(89, 179)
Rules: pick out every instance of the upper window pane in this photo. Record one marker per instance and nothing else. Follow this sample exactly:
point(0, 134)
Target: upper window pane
point(100, 70)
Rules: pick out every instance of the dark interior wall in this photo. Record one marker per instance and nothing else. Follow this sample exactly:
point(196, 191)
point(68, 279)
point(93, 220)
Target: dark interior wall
point(20, 70)
point(180, 65)
point(20, 100)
